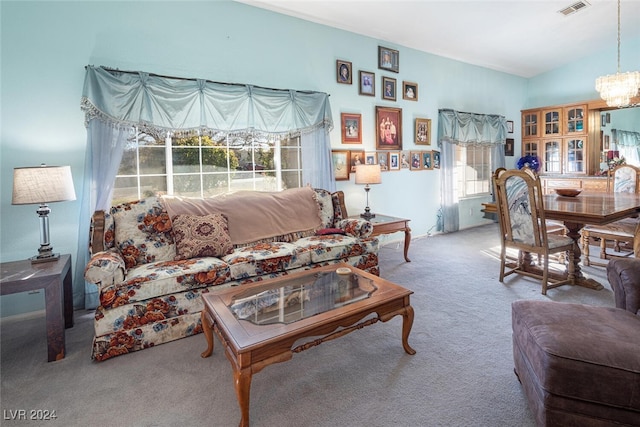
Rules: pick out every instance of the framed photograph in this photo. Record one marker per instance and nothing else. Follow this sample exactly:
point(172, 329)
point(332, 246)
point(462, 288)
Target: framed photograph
point(423, 132)
point(351, 128)
point(427, 160)
point(388, 128)
point(416, 161)
point(405, 160)
point(383, 160)
point(436, 159)
point(394, 161)
point(410, 91)
point(510, 126)
point(343, 72)
point(367, 83)
point(357, 158)
point(388, 88)
point(370, 158)
point(508, 147)
point(388, 59)
point(606, 142)
point(340, 164)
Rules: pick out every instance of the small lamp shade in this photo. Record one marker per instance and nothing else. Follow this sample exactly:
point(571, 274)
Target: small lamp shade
point(42, 184)
point(368, 174)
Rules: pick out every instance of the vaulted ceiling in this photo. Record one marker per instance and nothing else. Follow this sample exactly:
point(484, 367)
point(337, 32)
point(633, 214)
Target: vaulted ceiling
point(521, 37)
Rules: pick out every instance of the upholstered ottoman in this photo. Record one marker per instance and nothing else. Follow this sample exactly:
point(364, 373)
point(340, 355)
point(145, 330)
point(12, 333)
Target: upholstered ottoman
point(579, 365)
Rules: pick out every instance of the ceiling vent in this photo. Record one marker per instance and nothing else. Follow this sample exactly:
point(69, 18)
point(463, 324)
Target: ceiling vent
point(574, 8)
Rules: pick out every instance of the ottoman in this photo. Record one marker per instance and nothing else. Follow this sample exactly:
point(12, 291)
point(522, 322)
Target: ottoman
point(579, 365)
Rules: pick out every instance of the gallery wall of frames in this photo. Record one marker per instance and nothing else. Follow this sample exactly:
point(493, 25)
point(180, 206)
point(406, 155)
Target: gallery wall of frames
point(389, 153)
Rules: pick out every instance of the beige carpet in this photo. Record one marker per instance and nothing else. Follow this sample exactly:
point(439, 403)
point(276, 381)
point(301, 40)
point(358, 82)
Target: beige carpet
point(462, 374)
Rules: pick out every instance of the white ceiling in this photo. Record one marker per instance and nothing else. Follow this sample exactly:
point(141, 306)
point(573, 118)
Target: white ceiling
point(521, 37)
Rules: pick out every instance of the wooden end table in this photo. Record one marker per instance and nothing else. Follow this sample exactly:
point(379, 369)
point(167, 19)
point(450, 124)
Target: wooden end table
point(385, 224)
point(261, 323)
point(55, 278)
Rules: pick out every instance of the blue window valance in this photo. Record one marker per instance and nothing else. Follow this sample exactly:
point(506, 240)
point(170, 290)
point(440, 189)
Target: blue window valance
point(171, 104)
point(460, 128)
point(625, 138)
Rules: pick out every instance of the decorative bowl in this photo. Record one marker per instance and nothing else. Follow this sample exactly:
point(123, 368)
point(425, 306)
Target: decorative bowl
point(568, 192)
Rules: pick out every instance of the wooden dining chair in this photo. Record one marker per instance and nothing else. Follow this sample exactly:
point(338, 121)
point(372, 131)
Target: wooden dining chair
point(622, 179)
point(523, 227)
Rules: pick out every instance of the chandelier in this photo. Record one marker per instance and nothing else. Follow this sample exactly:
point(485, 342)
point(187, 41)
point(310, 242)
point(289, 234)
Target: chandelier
point(618, 89)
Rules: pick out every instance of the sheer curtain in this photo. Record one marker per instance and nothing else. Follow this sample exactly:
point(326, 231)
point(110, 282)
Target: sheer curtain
point(460, 128)
point(116, 102)
point(628, 143)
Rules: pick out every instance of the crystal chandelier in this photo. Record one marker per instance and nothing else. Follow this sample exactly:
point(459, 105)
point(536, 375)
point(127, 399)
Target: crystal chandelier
point(618, 89)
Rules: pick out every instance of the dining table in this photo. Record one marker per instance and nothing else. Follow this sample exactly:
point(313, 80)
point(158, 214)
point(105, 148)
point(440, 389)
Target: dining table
point(593, 208)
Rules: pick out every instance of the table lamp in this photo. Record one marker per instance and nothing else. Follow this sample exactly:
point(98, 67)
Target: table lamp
point(368, 174)
point(41, 185)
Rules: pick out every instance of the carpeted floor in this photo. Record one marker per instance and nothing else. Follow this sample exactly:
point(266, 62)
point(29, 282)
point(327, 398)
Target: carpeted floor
point(462, 374)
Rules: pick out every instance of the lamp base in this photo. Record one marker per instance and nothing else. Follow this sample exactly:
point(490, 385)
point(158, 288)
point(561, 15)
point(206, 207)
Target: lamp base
point(44, 258)
point(367, 215)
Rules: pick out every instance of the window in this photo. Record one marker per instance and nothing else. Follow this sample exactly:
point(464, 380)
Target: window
point(206, 165)
point(473, 170)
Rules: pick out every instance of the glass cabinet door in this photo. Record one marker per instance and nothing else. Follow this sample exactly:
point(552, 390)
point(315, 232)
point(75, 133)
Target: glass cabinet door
point(552, 122)
point(552, 161)
point(575, 120)
point(530, 125)
point(530, 148)
point(575, 155)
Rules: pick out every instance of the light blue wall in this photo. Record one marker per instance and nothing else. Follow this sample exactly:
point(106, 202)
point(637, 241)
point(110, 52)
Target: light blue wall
point(45, 46)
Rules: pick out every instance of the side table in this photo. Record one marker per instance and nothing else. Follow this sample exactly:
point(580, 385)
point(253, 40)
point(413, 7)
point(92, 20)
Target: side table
point(55, 278)
point(385, 224)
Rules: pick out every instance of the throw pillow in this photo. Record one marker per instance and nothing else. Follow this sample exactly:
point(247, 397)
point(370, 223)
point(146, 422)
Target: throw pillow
point(324, 231)
point(201, 236)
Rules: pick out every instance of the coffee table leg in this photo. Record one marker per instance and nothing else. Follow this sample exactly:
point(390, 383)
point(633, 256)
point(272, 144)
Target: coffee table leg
point(243, 388)
point(208, 334)
point(407, 323)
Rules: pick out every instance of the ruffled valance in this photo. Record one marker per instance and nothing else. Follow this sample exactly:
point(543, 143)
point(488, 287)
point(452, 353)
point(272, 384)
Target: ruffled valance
point(625, 138)
point(187, 106)
point(462, 128)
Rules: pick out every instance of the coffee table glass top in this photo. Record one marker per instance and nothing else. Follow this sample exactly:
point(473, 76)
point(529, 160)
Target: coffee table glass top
point(291, 300)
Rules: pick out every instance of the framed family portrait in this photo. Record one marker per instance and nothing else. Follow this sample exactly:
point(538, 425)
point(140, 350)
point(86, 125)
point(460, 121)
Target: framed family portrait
point(388, 59)
point(394, 161)
point(388, 88)
point(341, 162)
point(388, 128)
point(427, 161)
point(436, 159)
point(367, 83)
point(416, 161)
point(509, 126)
point(410, 91)
point(351, 128)
point(423, 132)
point(370, 158)
point(383, 160)
point(357, 158)
point(343, 72)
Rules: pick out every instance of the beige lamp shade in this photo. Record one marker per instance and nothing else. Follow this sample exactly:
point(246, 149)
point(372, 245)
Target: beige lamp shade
point(42, 184)
point(368, 174)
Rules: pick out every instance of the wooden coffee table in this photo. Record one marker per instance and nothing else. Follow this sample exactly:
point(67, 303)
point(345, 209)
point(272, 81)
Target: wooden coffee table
point(258, 324)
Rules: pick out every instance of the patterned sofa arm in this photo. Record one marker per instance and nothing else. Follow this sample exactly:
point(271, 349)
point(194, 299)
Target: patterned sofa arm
point(356, 227)
point(105, 268)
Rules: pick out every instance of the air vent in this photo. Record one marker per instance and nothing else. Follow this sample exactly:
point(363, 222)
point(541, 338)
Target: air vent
point(574, 8)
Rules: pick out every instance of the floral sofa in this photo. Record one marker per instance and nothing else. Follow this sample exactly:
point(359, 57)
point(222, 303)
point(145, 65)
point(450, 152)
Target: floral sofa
point(152, 259)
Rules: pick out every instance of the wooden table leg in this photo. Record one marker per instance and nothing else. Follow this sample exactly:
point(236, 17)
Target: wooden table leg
point(407, 324)
point(407, 241)
point(243, 391)
point(207, 329)
point(573, 231)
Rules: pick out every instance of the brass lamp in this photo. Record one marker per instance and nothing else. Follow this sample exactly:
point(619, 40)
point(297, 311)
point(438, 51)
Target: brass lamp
point(41, 185)
point(368, 174)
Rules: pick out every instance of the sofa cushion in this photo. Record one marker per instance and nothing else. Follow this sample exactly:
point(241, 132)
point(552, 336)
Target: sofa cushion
point(163, 278)
point(331, 247)
point(265, 258)
point(201, 236)
point(143, 232)
point(325, 205)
